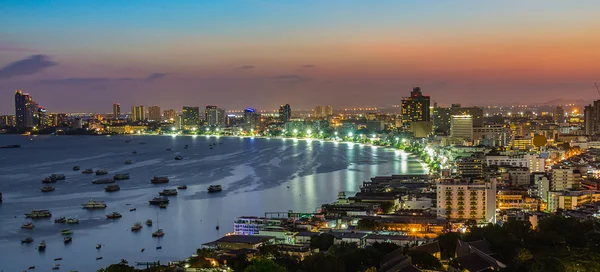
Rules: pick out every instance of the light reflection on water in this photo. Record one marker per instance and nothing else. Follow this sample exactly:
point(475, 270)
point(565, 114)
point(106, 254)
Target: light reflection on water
point(255, 174)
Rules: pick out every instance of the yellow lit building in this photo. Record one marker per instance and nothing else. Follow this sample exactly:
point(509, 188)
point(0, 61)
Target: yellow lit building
point(126, 129)
point(570, 200)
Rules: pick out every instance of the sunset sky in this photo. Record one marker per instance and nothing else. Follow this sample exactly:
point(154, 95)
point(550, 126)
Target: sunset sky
point(75, 56)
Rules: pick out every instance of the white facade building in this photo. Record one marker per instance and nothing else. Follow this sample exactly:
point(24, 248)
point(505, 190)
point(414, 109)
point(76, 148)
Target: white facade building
point(531, 161)
point(458, 200)
point(461, 127)
point(564, 179)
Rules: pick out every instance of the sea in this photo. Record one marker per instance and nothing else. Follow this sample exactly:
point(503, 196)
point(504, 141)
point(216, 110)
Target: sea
point(258, 175)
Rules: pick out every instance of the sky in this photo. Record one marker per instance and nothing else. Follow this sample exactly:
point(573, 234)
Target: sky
point(82, 56)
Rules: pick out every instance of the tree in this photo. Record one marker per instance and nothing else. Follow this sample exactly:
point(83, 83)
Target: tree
point(264, 265)
point(322, 241)
point(371, 269)
point(117, 268)
point(388, 207)
point(447, 243)
point(367, 224)
point(321, 262)
point(424, 260)
point(238, 263)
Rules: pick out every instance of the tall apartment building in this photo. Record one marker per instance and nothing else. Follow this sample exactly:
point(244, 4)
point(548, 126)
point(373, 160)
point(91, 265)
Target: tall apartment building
point(415, 108)
point(214, 116)
point(460, 200)
point(190, 117)
point(252, 119)
point(461, 127)
point(116, 111)
point(138, 113)
point(285, 113)
point(322, 111)
point(591, 117)
point(7, 121)
point(564, 178)
point(491, 135)
point(469, 167)
point(154, 113)
point(170, 115)
point(442, 115)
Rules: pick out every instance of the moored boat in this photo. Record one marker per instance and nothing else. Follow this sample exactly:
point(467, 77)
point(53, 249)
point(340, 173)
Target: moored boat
point(182, 187)
point(178, 158)
point(76, 168)
point(66, 232)
point(88, 171)
point(137, 226)
point(48, 180)
point(168, 192)
point(27, 240)
point(98, 246)
point(158, 200)
point(158, 233)
point(42, 246)
point(11, 146)
point(149, 222)
point(46, 189)
point(94, 205)
point(67, 239)
point(38, 214)
point(27, 226)
point(60, 220)
point(128, 161)
point(214, 188)
point(121, 176)
point(103, 181)
point(112, 188)
point(58, 176)
point(114, 215)
point(162, 205)
point(72, 220)
point(159, 180)
point(168, 149)
point(100, 172)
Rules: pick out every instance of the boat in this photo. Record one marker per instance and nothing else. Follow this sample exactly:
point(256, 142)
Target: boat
point(134, 152)
point(142, 142)
point(27, 240)
point(100, 172)
point(87, 171)
point(114, 215)
point(132, 209)
point(149, 222)
point(66, 232)
point(159, 180)
point(214, 188)
point(168, 192)
point(159, 247)
point(48, 180)
point(0, 197)
point(56, 268)
point(158, 233)
point(185, 147)
point(31, 267)
point(38, 214)
point(46, 189)
point(158, 200)
point(76, 168)
point(57, 177)
point(98, 258)
point(168, 149)
point(127, 141)
point(98, 246)
point(103, 181)
point(128, 161)
point(59, 258)
point(42, 246)
point(162, 205)
point(60, 220)
point(11, 146)
point(112, 188)
point(182, 187)
point(217, 227)
point(67, 239)
point(137, 226)
point(72, 221)
point(121, 176)
point(94, 205)
point(178, 158)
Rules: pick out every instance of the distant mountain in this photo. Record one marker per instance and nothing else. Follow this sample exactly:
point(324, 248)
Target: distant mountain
point(579, 102)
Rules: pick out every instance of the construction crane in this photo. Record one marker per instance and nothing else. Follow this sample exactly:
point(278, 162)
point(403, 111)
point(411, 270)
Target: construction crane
point(597, 89)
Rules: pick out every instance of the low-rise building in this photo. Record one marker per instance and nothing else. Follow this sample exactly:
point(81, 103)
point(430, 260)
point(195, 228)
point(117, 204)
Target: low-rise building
point(570, 200)
point(240, 242)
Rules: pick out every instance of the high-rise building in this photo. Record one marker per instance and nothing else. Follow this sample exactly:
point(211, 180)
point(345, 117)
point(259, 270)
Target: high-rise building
point(31, 116)
point(592, 118)
point(21, 109)
point(564, 178)
point(459, 200)
point(170, 115)
point(469, 167)
point(42, 117)
point(416, 107)
point(116, 111)
point(138, 113)
point(214, 116)
point(285, 113)
point(190, 117)
point(322, 111)
point(441, 116)
point(154, 113)
point(7, 121)
point(251, 119)
point(461, 127)
point(558, 115)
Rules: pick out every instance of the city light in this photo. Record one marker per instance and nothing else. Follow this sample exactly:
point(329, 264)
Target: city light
point(309, 132)
point(350, 134)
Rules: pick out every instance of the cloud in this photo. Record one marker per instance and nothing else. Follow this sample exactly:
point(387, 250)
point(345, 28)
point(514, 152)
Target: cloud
point(13, 47)
point(155, 76)
point(309, 66)
point(27, 66)
point(245, 67)
point(290, 78)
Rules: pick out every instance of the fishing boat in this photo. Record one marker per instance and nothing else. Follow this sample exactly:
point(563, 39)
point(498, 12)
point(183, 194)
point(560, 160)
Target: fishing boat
point(98, 258)
point(100, 172)
point(132, 209)
point(60, 220)
point(38, 214)
point(158, 233)
point(158, 200)
point(42, 246)
point(168, 192)
point(162, 205)
point(168, 149)
point(46, 189)
point(67, 239)
point(159, 247)
point(114, 215)
point(72, 221)
point(182, 187)
point(56, 268)
point(178, 158)
point(214, 188)
point(58, 259)
point(66, 232)
point(98, 246)
point(94, 205)
point(48, 180)
point(137, 226)
point(159, 180)
point(128, 161)
point(88, 171)
point(11, 146)
point(103, 181)
point(58, 176)
point(149, 222)
point(134, 152)
point(76, 168)
point(27, 240)
point(112, 188)
point(121, 176)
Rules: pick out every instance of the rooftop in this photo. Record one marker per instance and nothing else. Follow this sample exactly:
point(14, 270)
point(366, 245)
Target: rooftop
point(244, 239)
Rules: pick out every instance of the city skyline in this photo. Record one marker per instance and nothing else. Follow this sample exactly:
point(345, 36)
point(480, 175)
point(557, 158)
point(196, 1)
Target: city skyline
point(231, 53)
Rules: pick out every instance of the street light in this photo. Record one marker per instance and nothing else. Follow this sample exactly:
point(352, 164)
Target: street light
point(309, 132)
point(350, 134)
point(295, 131)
